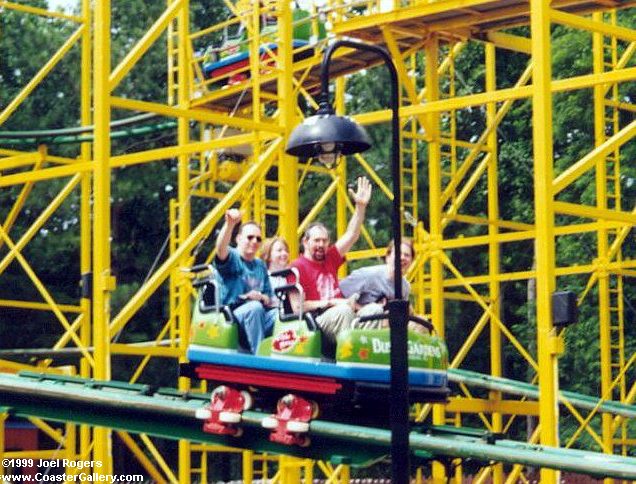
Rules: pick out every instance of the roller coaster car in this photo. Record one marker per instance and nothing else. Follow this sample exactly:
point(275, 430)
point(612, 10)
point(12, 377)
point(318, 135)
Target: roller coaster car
point(230, 63)
point(354, 387)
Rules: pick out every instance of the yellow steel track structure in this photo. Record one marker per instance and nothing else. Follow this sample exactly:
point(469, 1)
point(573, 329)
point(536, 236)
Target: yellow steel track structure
point(235, 156)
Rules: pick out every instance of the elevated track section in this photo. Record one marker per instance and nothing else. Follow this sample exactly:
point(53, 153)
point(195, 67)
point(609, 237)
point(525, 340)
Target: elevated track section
point(169, 414)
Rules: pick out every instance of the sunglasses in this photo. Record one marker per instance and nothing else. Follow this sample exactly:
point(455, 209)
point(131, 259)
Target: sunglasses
point(252, 237)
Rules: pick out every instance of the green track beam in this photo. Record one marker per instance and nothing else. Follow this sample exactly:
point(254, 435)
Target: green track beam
point(140, 409)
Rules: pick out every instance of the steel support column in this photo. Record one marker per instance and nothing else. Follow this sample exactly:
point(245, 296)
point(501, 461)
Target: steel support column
point(85, 205)
point(544, 221)
point(287, 165)
point(183, 214)
point(493, 246)
point(602, 238)
point(103, 282)
point(435, 196)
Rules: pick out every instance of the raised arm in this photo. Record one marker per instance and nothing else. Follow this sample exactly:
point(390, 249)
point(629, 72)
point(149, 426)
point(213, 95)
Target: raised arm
point(361, 199)
point(232, 219)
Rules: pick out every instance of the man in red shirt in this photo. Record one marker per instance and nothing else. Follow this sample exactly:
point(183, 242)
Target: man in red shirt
point(318, 268)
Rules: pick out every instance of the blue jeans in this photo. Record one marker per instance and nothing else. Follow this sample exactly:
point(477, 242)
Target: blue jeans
point(257, 322)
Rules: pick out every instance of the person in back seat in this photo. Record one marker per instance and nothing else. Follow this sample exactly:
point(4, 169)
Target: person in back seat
point(245, 285)
point(375, 284)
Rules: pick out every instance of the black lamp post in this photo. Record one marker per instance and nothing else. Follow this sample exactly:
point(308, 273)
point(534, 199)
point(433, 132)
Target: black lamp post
point(325, 136)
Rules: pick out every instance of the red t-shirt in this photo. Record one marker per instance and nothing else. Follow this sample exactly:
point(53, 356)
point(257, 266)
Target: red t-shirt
point(319, 280)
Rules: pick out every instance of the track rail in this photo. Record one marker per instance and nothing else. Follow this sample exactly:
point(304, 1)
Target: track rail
point(166, 413)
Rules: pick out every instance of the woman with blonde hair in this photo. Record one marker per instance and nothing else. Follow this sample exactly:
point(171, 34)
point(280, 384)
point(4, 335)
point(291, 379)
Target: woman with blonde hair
point(275, 254)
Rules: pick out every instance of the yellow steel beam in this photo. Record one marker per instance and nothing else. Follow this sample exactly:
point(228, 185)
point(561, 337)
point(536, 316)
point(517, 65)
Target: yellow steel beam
point(523, 275)
point(584, 424)
point(41, 74)
point(605, 322)
point(619, 105)
point(507, 237)
point(199, 233)
point(158, 351)
point(43, 291)
point(203, 115)
point(141, 457)
point(494, 318)
point(38, 11)
point(39, 222)
point(317, 207)
point(606, 396)
point(179, 289)
point(590, 25)
point(432, 85)
point(594, 213)
point(44, 174)
point(447, 141)
point(8, 366)
point(469, 342)
point(55, 434)
point(142, 46)
point(511, 42)
point(130, 159)
point(504, 224)
point(103, 280)
point(341, 175)
point(544, 216)
point(19, 202)
point(494, 255)
point(403, 75)
point(461, 102)
point(611, 253)
point(287, 103)
point(215, 28)
point(60, 159)
point(64, 339)
point(590, 80)
point(22, 159)
point(483, 138)
point(184, 149)
point(159, 459)
point(622, 62)
point(12, 303)
point(468, 187)
point(374, 176)
point(415, 11)
point(169, 324)
point(6, 152)
point(444, 66)
point(573, 172)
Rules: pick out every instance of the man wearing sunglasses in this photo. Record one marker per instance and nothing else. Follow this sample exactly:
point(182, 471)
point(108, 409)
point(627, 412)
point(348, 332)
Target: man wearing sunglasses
point(245, 285)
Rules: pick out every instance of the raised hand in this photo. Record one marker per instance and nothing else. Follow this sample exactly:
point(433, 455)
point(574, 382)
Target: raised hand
point(363, 194)
point(233, 216)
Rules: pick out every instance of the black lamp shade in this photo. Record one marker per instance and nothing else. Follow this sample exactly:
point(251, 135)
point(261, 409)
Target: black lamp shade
point(307, 139)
